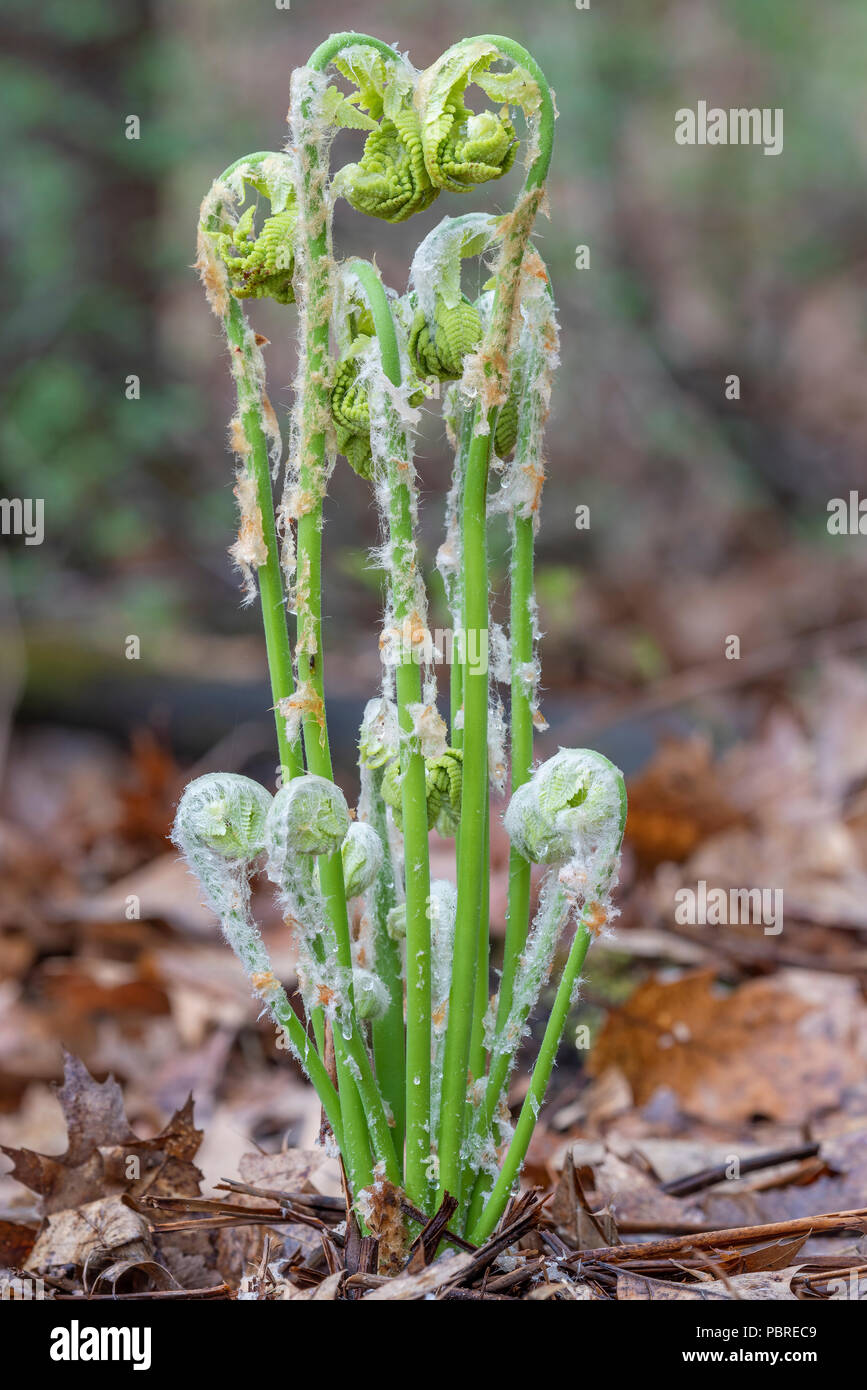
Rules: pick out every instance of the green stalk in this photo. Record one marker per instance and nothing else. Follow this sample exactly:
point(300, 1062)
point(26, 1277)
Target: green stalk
point(521, 720)
point(417, 880)
point(388, 1031)
point(531, 387)
point(453, 579)
point(478, 1054)
point(549, 922)
point(242, 348)
point(473, 862)
point(517, 1151)
point(472, 867)
point(365, 1122)
point(270, 578)
point(311, 1061)
point(521, 725)
point(456, 699)
point(402, 575)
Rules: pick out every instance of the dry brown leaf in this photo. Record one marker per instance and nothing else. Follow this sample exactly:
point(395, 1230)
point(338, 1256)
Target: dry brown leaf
point(636, 1199)
point(784, 1047)
point(104, 1156)
point(677, 802)
point(748, 1286)
point(84, 1240)
point(293, 1170)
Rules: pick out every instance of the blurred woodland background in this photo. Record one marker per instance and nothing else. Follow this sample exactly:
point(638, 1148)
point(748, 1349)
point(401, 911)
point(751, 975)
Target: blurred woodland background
point(708, 519)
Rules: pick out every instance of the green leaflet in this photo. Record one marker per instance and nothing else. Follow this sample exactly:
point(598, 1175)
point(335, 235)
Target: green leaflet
point(350, 408)
point(390, 180)
point(261, 264)
point(443, 783)
point(506, 432)
point(341, 112)
point(438, 349)
point(462, 148)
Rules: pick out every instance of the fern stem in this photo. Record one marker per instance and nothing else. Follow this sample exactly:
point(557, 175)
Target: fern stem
point(403, 583)
point(473, 865)
point(517, 1150)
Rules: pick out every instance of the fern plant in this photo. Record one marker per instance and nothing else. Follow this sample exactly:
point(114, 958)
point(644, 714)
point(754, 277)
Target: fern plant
point(409, 1051)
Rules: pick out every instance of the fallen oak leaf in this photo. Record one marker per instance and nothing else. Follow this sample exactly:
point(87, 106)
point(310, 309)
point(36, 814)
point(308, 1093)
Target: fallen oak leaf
point(83, 1241)
point(784, 1048)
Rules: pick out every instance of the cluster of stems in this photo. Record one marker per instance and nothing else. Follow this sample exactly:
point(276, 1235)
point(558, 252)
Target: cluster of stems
point(409, 1050)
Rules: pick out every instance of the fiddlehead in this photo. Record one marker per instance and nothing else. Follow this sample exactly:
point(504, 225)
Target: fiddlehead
point(363, 858)
point(350, 408)
point(261, 264)
point(443, 780)
point(221, 830)
point(506, 432)
point(443, 327)
point(438, 349)
point(379, 736)
point(233, 264)
point(233, 257)
point(571, 811)
point(307, 816)
point(571, 816)
point(390, 180)
point(363, 862)
point(463, 149)
point(221, 817)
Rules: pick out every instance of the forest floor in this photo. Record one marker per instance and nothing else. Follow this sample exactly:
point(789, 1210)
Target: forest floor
point(705, 1136)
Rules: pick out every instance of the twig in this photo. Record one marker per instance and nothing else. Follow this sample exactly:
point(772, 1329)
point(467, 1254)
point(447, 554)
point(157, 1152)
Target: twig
point(707, 1177)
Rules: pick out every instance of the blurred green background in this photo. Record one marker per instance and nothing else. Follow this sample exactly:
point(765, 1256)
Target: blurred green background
point(708, 516)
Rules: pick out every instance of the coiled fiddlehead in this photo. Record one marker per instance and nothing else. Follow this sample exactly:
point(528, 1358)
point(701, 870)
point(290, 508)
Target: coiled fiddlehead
point(443, 326)
point(379, 735)
point(221, 817)
point(570, 815)
point(390, 180)
point(261, 264)
point(309, 816)
point(461, 148)
point(570, 807)
point(350, 409)
point(443, 781)
point(363, 857)
point(506, 432)
point(350, 395)
point(221, 829)
point(438, 349)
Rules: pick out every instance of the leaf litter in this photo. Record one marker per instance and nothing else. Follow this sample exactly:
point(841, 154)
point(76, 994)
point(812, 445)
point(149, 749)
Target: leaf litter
point(712, 1145)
